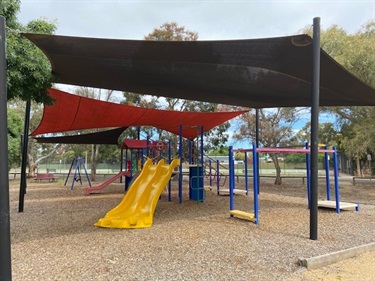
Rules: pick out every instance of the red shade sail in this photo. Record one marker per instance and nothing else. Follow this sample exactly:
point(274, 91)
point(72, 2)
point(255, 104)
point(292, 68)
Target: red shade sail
point(72, 112)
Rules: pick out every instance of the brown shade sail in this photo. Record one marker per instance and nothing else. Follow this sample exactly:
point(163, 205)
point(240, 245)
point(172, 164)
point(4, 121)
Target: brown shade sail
point(72, 112)
point(102, 137)
point(257, 73)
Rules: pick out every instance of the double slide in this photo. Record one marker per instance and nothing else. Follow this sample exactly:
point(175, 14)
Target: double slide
point(136, 210)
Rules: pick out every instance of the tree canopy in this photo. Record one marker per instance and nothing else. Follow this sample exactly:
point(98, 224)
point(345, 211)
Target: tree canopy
point(171, 31)
point(356, 53)
point(28, 70)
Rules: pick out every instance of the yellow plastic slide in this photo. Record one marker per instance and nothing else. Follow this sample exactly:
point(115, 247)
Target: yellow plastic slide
point(136, 210)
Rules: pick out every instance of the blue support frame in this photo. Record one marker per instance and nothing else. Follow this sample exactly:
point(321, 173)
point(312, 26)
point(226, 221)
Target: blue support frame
point(180, 167)
point(231, 179)
point(326, 163)
point(169, 162)
point(217, 176)
point(210, 165)
point(256, 183)
point(246, 175)
point(78, 163)
point(336, 175)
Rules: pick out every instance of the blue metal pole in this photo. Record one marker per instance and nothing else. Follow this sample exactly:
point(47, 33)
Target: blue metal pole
point(246, 174)
point(256, 183)
point(84, 167)
point(217, 176)
point(202, 164)
point(75, 173)
point(308, 174)
point(336, 176)
point(180, 167)
point(190, 152)
point(169, 161)
point(231, 178)
point(131, 160)
point(210, 166)
point(326, 163)
point(202, 143)
point(121, 162)
point(147, 146)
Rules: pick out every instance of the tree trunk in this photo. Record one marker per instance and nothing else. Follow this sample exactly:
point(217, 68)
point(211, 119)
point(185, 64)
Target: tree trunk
point(275, 160)
point(94, 160)
point(32, 170)
point(358, 166)
point(93, 163)
point(32, 163)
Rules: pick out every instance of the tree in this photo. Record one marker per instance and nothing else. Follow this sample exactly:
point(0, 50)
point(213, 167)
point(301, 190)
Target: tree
point(96, 149)
point(216, 137)
point(14, 131)
point(171, 31)
point(356, 53)
point(28, 70)
point(327, 134)
point(275, 129)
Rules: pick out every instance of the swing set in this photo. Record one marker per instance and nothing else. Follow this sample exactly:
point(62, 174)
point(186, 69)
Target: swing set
point(78, 163)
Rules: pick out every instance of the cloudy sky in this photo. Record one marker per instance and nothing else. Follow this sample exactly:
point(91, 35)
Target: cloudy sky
point(213, 20)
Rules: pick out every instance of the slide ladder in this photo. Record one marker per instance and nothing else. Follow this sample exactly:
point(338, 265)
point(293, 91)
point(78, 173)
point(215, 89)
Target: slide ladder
point(136, 210)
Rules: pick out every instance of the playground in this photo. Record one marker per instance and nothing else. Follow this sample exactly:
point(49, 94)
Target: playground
point(187, 241)
point(194, 234)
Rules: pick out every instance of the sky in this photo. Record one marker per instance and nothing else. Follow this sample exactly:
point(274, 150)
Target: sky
point(212, 20)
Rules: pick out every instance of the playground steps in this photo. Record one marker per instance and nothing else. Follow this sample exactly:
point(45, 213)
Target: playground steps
point(332, 205)
point(225, 191)
point(243, 215)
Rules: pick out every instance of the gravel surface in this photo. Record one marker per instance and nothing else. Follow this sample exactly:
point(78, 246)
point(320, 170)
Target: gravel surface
point(55, 237)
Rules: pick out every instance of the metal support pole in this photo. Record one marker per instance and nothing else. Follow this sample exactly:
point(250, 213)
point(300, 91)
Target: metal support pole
point(201, 148)
point(328, 184)
point(190, 151)
point(256, 183)
point(257, 137)
point(148, 154)
point(87, 175)
point(5, 252)
point(308, 174)
point(180, 167)
point(336, 176)
point(315, 85)
point(25, 144)
point(121, 162)
point(217, 177)
point(169, 162)
point(246, 175)
point(231, 179)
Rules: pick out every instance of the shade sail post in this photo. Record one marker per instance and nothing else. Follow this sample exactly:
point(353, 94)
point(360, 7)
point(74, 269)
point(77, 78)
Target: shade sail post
point(315, 84)
point(25, 144)
point(5, 252)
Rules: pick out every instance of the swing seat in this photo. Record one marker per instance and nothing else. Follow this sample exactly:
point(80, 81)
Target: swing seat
point(243, 215)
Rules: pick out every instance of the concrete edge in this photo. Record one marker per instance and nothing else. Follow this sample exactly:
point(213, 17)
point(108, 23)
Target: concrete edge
point(330, 258)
